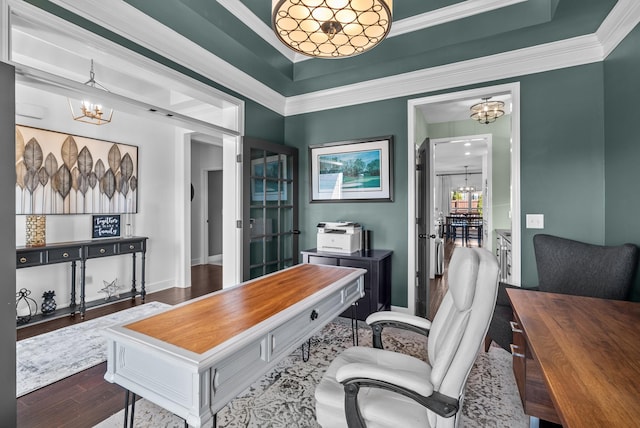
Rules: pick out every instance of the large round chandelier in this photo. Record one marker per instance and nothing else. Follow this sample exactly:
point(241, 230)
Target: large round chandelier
point(331, 28)
point(487, 111)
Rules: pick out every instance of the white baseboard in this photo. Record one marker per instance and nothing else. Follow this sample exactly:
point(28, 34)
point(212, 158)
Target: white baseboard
point(400, 309)
point(216, 259)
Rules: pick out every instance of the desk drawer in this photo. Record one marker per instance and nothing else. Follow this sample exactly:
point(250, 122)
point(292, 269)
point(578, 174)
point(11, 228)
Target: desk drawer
point(29, 258)
point(130, 247)
point(60, 255)
point(101, 250)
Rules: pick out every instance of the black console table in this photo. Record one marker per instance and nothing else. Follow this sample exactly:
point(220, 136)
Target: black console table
point(81, 251)
point(377, 280)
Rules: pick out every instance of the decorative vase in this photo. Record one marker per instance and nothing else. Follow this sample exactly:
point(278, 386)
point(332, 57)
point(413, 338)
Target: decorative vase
point(36, 230)
point(49, 304)
point(26, 307)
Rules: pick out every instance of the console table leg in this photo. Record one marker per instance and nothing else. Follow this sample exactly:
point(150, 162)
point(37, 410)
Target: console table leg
point(73, 284)
point(133, 281)
point(83, 264)
point(143, 292)
point(128, 421)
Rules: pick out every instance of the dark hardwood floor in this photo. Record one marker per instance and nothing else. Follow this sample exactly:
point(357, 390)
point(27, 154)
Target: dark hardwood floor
point(85, 399)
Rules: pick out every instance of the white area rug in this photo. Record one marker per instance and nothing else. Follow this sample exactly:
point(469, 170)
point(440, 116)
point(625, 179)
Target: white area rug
point(44, 359)
point(284, 396)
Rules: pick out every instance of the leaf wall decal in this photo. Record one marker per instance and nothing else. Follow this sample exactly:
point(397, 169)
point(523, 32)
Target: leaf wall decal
point(114, 158)
point(108, 184)
point(124, 187)
point(51, 165)
point(93, 180)
point(64, 181)
point(19, 145)
point(83, 183)
point(74, 178)
point(69, 152)
point(55, 183)
point(21, 171)
point(100, 169)
point(133, 183)
point(33, 155)
point(126, 167)
point(85, 161)
point(31, 180)
point(118, 180)
point(43, 177)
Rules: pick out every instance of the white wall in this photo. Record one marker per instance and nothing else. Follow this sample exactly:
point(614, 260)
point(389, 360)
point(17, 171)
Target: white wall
point(204, 157)
point(156, 217)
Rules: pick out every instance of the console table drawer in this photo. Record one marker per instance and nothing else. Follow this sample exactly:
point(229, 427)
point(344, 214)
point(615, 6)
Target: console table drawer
point(64, 254)
point(101, 251)
point(130, 247)
point(30, 258)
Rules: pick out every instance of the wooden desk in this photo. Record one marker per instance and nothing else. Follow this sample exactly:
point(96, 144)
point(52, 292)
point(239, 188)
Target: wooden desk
point(81, 251)
point(588, 351)
point(195, 358)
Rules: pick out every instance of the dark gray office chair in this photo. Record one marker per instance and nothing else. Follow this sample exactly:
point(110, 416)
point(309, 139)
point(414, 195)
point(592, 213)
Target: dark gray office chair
point(570, 267)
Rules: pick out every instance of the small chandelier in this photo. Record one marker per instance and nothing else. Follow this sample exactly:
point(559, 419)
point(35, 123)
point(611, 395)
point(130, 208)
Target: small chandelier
point(331, 28)
point(487, 111)
point(90, 112)
point(466, 187)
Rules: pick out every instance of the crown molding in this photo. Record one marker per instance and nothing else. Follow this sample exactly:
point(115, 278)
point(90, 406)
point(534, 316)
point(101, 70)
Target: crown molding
point(134, 25)
point(130, 23)
point(446, 14)
point(622, 19)
point(418, 22)
point(565, 53)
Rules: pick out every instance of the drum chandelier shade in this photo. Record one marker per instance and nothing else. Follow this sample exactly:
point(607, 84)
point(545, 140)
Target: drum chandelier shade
point(331, 28)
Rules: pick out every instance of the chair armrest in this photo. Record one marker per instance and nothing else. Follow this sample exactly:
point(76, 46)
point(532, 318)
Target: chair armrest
point(356, 375)
point(405, 379)
point(379, 320)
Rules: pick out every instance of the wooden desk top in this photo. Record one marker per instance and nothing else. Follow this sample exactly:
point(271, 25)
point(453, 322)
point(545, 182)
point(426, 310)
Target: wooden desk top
point(589, 352)
point(206, 323)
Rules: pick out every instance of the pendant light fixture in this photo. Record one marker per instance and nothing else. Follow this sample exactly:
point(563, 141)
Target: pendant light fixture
point(487, 111)
point(90, 112)
point(331, 28)
point(466, 187)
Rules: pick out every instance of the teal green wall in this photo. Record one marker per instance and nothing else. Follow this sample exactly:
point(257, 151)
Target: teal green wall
point(500, 131)
point(386, 220)
point(562, 164)
point(622, 151)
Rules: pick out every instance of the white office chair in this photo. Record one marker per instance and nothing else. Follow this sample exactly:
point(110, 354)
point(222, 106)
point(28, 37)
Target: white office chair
point(378, 388)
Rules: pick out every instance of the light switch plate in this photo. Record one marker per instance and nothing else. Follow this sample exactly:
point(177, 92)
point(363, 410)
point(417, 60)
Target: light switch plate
point(535, 221)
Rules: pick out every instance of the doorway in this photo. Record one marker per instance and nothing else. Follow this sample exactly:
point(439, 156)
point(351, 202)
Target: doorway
point(442, 109)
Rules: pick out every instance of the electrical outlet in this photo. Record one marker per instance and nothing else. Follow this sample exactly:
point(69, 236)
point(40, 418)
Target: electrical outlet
point(535, 221)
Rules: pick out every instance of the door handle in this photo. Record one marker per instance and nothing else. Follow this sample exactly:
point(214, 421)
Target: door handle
point(295, 232)
point(424, 235)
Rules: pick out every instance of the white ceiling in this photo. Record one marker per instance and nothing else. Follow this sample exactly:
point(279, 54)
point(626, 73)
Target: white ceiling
point(459, 151)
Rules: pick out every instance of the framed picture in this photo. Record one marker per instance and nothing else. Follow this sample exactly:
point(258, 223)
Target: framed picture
point(351, 171)
point(105, 226)
point(267, 178)
point(58, 173)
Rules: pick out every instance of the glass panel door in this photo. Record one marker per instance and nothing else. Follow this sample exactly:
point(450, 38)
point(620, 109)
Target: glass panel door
point(270, 216)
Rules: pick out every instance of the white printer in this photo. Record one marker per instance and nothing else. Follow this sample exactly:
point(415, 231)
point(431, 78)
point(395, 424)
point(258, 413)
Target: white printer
point(339, 237)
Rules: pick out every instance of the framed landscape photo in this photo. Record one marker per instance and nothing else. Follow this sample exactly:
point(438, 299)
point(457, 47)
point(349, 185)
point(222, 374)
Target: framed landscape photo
point(350, 171)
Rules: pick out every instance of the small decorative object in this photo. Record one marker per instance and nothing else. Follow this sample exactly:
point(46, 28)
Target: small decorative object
point(110, 289)
point(36, 230)
point(48, 304)
point(26, 307)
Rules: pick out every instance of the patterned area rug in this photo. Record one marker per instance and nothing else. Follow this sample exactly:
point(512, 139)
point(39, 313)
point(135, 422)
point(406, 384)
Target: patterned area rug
point(44, 359)
point(284, 396)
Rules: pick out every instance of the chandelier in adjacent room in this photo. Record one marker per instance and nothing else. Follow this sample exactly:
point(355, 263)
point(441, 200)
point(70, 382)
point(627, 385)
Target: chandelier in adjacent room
point(90, 112)
point(466, 187)
point(487, 111)
point(331, 28)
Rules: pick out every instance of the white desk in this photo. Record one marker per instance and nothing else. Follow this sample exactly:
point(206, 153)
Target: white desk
point(196, 357)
